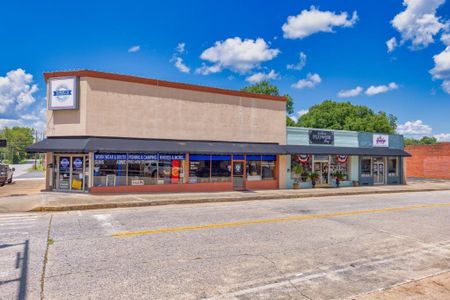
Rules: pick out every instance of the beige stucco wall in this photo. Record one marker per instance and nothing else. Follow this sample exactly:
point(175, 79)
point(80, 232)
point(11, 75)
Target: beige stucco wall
point(124, 109)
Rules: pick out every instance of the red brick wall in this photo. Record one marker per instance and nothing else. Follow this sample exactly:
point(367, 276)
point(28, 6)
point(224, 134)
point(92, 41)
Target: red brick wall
point(428, 161)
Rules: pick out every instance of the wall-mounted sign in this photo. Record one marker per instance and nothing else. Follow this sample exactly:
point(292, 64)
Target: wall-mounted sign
point(63, 93)
point(137, 156)
point(381, 140)
point(321, 137)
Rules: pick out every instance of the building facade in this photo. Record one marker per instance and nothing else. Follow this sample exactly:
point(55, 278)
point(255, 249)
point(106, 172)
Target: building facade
point(109, 133)
point(428, 161)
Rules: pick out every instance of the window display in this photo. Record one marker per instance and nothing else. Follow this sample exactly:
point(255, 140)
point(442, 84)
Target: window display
point(340, 164)
point(220, 168)
point(254, 167)
point(305, 161)
point(392, 166)
point(199, 168)
point(110, 169)
point(366, 170)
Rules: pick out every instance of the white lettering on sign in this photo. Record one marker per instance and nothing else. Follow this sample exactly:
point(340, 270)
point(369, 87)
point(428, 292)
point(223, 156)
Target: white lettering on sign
point(381, 140)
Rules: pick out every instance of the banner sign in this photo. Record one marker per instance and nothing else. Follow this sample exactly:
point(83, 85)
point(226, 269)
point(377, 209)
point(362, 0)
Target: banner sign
point(63, 93)
point(321, 137)
point(342, 158)
point(381, 140)
point(138, 156)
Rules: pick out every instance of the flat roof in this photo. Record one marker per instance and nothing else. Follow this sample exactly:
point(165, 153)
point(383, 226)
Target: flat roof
point(157, 82)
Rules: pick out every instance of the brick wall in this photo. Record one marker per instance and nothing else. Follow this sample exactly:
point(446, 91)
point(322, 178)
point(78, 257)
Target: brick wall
point(428, 161)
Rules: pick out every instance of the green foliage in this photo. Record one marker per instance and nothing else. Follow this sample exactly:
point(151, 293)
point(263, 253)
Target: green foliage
point(346, 116)
point(314, 175)
point(426, 140)
point(339, 175)
point(18, 138)
point(266, 88)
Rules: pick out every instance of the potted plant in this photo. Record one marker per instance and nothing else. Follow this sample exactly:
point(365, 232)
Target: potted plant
point(339, 177)
point(298, 170)
point(313, 176)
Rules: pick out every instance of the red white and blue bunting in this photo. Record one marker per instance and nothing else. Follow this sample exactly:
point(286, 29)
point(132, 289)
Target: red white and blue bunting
point(342, 158)
point(303, 158)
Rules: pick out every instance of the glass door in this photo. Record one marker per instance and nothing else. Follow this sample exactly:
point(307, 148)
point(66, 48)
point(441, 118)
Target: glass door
point(77, 178)
point(378, 172)
point(321, 167)
point(63, 175)
point(238, 175)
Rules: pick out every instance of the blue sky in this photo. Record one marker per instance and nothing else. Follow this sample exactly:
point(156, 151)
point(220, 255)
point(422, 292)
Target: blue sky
point(343, 44)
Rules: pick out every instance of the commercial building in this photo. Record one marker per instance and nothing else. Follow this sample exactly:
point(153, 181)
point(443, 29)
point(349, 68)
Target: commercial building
point(429, 161)
point(118, 133)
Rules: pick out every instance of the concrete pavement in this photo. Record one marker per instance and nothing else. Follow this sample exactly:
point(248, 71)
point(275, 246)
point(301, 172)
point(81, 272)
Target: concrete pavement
point(319, 248)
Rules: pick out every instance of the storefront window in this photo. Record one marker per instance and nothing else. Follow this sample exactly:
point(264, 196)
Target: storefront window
point(340, 163)
point(171, 168)
point(142, 169)
point(392, 166)
point(305, 161)
point(199, 168)
point(220, 168)
point(268, 167)
point(110, 169)
point(366, 170)
point(254, 167)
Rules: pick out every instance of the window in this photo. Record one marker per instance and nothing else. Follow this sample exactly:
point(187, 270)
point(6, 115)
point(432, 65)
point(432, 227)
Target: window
point(110, 169)
point(366, 170)
point(142, 169)
point(254, 167)
point(305, 161)
point(171, 168)
point(220, 168)
point(199, 168)
point(268, 167)
point(392, 166)
point(339, 163)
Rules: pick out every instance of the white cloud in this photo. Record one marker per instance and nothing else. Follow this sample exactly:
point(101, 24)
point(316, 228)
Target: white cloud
point(313, 20)
point(237, 55)
point(418, 23)
point(16, 89)
point(441, 68)
point(350, 93)
point(442, 137)
point(310, 81)
point(134, 49)
point(300, 64)
point(300, 113)
point(445, 38)
point(257, 77)
point(414, 129)
point(181, 47)
point(379, 89)
point(34, 120)
point(178, 62)
point(391, 44)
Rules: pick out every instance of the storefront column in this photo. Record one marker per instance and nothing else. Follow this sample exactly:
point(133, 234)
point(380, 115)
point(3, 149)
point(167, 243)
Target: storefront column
point(186, 169)
point(281, 169)
point(49, 160)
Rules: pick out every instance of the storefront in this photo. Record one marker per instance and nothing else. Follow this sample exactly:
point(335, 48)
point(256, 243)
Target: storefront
point(354, 158)
point(112, 133)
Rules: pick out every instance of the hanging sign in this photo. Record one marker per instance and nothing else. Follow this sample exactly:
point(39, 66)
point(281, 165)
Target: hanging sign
point(342, 158)
point(381, 140)
point(63, 93)
point(321, 137)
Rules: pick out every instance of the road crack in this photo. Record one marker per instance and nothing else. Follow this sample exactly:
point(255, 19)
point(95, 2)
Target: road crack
point(49, 242)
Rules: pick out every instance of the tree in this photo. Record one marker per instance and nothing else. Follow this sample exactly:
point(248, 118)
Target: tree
point(346, 116)
point(266, 88)
point(17, 138)
point(426, 140)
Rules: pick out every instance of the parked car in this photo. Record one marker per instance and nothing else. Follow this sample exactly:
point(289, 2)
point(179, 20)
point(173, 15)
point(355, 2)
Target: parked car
point(6, 174)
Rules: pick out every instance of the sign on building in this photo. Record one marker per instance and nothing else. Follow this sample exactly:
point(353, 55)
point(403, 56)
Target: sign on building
point(3, 143)
point(321, 137)
point(381, 140)
point(63, 93)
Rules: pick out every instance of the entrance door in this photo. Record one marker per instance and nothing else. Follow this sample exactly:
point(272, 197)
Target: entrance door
point(238, 175)
point(321, 167)
point(63, 174)
point(378, 172)
point(77, 182)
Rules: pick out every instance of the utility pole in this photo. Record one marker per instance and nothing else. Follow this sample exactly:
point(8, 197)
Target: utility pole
point(35, 155)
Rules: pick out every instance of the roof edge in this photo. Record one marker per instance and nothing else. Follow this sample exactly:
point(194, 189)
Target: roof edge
point(163, 83)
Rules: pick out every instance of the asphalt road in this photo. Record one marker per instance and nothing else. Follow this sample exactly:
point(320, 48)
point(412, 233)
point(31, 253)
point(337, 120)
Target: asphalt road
point(317, 248)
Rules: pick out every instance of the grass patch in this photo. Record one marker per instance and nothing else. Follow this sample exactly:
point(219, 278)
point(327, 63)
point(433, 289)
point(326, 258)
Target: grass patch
point(50, 241)
point(38, 168)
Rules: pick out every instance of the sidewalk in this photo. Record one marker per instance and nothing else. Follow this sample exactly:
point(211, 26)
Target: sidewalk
point(53, 201)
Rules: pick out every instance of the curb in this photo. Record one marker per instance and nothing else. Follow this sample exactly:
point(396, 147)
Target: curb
point(215, 200)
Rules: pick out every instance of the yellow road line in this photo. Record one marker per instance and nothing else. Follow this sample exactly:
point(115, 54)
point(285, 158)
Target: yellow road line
point(274, 220)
